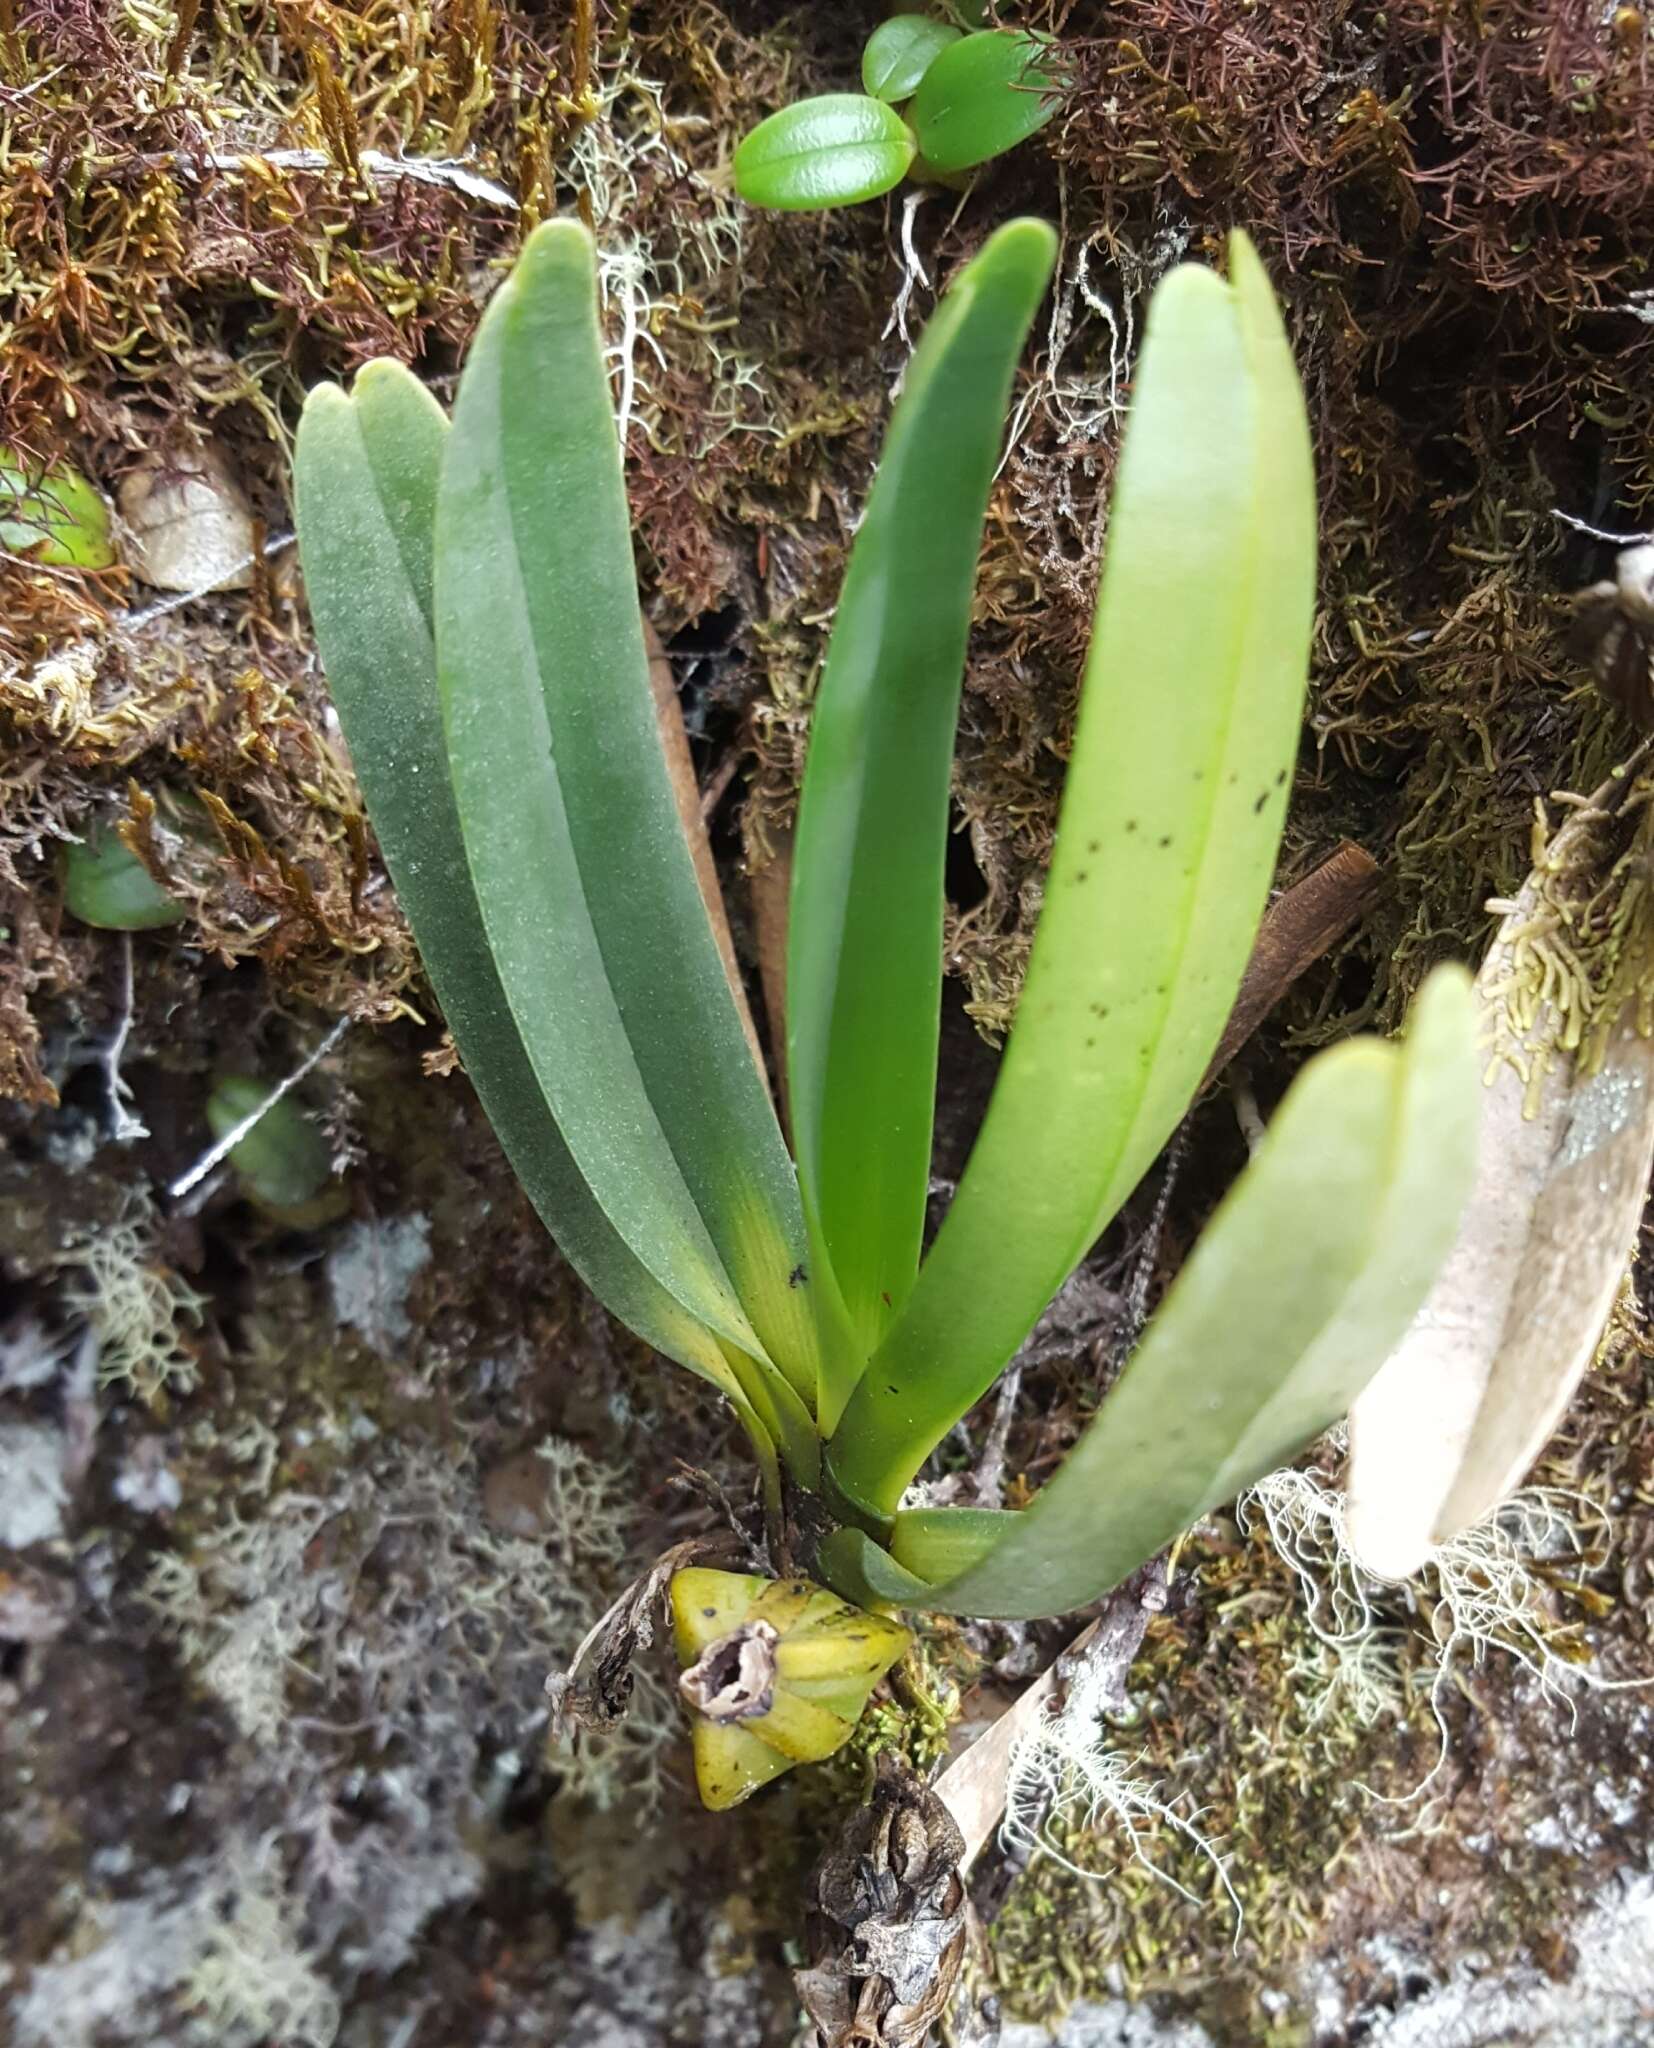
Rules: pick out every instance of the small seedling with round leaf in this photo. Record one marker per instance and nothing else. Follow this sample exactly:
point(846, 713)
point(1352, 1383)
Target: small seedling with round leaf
point(831, 151)
point(981, 96)
point(107, 885)
point(968, 98)
point(50, 514)
point(283, 1160)
point(900, 51)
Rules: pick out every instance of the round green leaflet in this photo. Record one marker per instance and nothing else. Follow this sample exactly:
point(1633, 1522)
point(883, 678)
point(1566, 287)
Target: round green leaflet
point(284, 1158)
point(900, 51)
point(105, 884)
point(982, 96)
point(830, 151)
point(52, 515)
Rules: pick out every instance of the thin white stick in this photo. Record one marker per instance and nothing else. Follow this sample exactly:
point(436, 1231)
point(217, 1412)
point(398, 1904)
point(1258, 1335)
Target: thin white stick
point(447, 172)
point(913, 271)
point(165, 606)
point(1621, 540)
point(628, 359)
point(226, 1145)
point(127, 1127)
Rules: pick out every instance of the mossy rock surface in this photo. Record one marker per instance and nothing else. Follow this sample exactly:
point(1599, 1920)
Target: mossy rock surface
point(271, 1757)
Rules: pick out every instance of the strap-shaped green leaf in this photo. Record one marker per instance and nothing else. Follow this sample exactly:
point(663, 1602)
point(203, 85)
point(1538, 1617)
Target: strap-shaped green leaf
point(587, 889)
point(1170, 821)
point(1303, 1281)
point(365, 478)
point(854, 1565)
point(864, 964)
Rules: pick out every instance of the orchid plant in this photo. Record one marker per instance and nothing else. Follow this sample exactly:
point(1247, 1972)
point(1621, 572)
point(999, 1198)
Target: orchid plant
point(475, 603)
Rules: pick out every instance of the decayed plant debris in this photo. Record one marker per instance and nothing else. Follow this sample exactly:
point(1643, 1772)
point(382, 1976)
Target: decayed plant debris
point(230, 248)
point(1475, 1389)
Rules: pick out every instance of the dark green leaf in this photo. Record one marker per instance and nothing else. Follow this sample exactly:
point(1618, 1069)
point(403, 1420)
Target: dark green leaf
point(105, 884)
point(864, 965)
point(982, 96)
point(830, 151)
point(582, 870)
point(855, 1566)
point(900, 51)
point(366, 484)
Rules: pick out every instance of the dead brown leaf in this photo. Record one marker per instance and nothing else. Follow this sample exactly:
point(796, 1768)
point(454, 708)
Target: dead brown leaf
point(1454, 1420)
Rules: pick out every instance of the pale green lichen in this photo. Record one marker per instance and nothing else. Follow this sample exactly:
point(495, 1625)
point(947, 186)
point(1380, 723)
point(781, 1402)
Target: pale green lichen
point(210, 1956)
point(373, 1630)
point(370, 1271)
point(137, 1306)
point(33, 1494)
point(254, 1979)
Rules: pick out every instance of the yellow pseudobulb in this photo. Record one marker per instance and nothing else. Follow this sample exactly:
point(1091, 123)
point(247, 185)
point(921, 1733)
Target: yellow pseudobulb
point(776, 1672)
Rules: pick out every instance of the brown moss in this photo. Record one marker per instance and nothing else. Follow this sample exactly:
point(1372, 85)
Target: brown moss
point(198, 273)
point(1450, 199)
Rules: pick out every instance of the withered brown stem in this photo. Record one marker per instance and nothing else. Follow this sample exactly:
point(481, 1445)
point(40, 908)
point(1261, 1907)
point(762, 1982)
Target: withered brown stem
point(1302, 923)
point(686, 792)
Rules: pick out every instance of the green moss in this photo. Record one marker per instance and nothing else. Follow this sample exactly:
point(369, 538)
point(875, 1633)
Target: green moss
point(1316, 1781)
point(1226, 1728)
